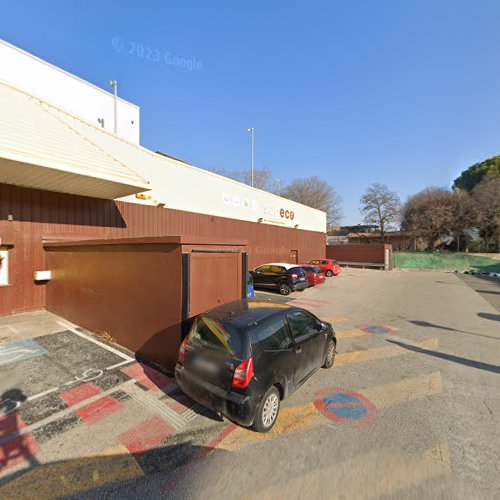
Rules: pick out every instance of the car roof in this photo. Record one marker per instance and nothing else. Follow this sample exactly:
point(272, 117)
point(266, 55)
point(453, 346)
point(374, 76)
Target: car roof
point(243, 313)
point(283, 264)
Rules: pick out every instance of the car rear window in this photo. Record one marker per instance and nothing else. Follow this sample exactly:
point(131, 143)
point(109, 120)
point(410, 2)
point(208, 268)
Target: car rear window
point(296, 270)
point(208, 332)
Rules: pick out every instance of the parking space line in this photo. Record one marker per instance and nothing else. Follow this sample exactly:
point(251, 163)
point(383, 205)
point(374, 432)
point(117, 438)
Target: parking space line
point(41, 394)
point(349, 358)
point(405, 390)
point(156, 406)
point(307, 415)
point(94, 341)
point(62, 413)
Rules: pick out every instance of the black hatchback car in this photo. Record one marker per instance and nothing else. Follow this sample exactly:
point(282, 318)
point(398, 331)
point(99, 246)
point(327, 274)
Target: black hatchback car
point(285, 278)
point(241, 359)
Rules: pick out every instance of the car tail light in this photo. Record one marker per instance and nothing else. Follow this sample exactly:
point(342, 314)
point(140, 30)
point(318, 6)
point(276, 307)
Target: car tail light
point(182, 350)
point(294, 275)
point(243, 374)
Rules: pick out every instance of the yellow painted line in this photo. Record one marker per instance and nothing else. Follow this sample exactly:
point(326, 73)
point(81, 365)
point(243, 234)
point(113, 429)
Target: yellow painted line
point(351, 333)
point(289, 420)
point(73, 476)
point(348, 358)
point(301, 417)
point(334, 319)
point(404, 391)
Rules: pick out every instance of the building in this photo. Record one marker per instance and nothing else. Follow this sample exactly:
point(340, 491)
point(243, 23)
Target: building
point(65, 176)
point(66, 91)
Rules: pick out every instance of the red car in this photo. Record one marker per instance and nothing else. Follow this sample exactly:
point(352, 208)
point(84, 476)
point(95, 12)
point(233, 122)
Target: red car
point(315, 276)
point(328, 266)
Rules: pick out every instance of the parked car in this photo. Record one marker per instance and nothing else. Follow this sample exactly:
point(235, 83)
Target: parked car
point(315, 276)
point(328, 266)
point(250, 289)
point(285, 278)
point(241, 359)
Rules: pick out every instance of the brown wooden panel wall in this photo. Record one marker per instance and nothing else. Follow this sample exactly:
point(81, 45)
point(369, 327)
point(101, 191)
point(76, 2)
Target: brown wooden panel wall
point(131, 292)
point(43, 214)
point(371, 252)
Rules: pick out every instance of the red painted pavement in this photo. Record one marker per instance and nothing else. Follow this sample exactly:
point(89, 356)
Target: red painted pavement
point(144, 436)
point(79, 394)
point(147, 376)
point(100, 409)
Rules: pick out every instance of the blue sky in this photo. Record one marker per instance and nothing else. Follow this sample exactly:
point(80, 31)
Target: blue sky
point(405, 93)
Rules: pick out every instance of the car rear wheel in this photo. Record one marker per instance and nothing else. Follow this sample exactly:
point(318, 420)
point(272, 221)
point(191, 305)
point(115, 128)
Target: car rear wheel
point(285, 288)
point(267, 411)
point(330, 355)
point(329, 273)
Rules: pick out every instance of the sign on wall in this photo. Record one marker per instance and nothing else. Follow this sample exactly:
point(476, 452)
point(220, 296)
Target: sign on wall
point(4, 266)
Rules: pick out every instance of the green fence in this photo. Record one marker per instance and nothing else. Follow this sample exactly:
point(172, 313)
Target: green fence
point(445, 261)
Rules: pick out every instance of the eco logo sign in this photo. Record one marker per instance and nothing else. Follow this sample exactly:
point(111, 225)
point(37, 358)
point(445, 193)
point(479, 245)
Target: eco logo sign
point(278, 213)
point(238, 201)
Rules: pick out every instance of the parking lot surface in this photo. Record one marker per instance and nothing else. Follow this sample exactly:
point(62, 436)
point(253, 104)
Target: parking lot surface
point(410, 408)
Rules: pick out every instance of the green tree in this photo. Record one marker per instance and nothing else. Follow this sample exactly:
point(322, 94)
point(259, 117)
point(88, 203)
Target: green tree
point(469, 178)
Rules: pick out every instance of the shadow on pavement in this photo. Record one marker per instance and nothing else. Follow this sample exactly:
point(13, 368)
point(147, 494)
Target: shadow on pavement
point(490, 316)
point(427, 324)
point(449, 357)
point(155, 473)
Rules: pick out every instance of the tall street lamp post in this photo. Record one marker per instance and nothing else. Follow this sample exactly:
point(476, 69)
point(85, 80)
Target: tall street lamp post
point(251, 130)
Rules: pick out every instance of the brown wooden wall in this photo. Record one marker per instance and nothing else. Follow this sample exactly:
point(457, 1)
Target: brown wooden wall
point(39, 215)
point(370, 252)
point(131, 292)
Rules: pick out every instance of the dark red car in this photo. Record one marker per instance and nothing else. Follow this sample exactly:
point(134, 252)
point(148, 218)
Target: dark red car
point(315, 276)
point(328, 266)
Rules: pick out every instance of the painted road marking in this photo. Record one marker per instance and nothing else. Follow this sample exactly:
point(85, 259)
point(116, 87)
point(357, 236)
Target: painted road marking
point(348, 358)
point(20, 350)
point(146, 435)
point(71, 477)
point(41, 394)
point(351, 333)
point(334, 319)
point(156, 406)
point(405, 391)
point(62, 413)
point(379, 330)
point(191, 413)
point(148, 377)
point(301, 417)
point(94, 341)
point(346, 407)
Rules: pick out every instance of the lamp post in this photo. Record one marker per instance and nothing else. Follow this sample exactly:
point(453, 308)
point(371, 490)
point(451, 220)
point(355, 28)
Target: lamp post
point(114, 84)
point(251, 130)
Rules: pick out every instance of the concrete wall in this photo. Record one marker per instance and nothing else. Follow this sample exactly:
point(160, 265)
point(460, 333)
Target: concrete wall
point(67, 91)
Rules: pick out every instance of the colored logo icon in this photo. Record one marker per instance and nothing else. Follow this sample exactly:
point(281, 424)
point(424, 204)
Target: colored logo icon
point(346, 407)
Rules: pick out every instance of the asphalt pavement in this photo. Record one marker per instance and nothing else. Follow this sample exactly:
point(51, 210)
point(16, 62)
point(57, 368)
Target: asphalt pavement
point(409, 410)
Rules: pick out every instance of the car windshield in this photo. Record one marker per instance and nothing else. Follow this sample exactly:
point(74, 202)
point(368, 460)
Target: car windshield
point(208, 332)
point(296, 270)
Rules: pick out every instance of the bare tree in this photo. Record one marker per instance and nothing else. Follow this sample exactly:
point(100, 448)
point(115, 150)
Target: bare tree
point(262, 177)
point(380, 206)
point(429, 214)
point(486, 197)
point(315, 193)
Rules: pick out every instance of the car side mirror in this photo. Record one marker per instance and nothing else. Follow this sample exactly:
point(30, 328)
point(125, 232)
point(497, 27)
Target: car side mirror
point(323, 326)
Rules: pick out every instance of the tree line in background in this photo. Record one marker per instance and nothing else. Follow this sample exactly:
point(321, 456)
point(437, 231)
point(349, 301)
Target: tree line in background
point(465, 217)
point(462, 218)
